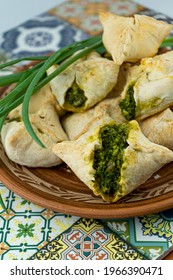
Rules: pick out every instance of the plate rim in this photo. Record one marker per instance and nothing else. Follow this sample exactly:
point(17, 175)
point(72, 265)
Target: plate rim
point(105, 211)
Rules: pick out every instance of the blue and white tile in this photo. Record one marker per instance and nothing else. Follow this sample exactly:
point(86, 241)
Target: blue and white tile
point(41, 35)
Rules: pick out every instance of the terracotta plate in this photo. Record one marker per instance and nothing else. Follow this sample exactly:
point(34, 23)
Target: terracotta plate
point(60, 190)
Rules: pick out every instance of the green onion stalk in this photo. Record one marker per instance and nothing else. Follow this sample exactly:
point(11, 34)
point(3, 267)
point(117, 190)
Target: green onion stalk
point(29, 81)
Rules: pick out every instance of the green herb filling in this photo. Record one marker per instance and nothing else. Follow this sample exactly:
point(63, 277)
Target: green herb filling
point(128, 105)
point(108, 158)
point(75, 96)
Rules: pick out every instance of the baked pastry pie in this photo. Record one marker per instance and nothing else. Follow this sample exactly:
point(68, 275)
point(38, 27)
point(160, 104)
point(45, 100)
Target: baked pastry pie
point(84, 83)
point(132, 38)
point(18, 144)
point(149, 87)
point(114, 159)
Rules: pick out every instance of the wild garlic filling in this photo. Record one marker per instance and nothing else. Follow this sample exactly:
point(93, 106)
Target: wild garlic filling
point(108, 158)
point(75, 96)
point(128, 105)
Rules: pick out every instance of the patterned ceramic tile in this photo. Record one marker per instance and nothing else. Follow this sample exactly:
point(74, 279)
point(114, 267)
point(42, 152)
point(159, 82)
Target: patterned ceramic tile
point(27, 227)
point(88, 239)
point(41, 35)
point(151, 234)
point(84, 14)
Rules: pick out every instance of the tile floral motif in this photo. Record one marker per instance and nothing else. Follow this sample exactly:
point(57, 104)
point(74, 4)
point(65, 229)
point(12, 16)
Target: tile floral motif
point(160, 225)
point(84, 14)
point(26, 228)
point(152, 234)
point(88, 239)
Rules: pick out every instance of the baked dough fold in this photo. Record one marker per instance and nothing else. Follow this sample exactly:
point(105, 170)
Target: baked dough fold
point(77, 124)
point(132, 38)
point(84, 83)
point(18, 144)
point(149, 87)
point(159, 128)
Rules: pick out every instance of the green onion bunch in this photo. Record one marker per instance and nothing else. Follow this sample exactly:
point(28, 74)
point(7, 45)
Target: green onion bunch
point(32, 79)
